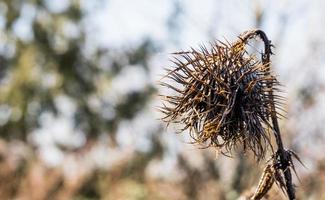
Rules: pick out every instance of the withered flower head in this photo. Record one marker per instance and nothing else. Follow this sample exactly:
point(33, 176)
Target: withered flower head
point(221, 94)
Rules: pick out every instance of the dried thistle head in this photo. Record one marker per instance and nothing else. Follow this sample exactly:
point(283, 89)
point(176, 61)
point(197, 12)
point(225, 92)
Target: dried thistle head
point(221, 95)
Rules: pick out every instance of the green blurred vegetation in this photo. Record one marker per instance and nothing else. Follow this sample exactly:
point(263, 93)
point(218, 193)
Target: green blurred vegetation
point(53, 61)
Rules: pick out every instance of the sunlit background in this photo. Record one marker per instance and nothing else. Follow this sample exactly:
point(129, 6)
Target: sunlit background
point(78, 97)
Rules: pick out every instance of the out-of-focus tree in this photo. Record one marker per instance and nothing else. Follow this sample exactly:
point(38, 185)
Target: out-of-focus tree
point(46, 56)
point(43, 56)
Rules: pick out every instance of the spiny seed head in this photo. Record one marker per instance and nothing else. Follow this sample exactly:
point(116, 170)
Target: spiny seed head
point(222, 96)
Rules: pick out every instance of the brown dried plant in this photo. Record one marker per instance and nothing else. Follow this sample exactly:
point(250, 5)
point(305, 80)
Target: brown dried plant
point(266, 181)
point(224, 97)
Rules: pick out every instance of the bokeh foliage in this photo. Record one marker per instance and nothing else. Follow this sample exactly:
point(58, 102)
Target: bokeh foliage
point(53, 59)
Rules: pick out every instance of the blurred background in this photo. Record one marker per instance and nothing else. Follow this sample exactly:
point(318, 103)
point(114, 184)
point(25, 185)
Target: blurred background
point(78, 97)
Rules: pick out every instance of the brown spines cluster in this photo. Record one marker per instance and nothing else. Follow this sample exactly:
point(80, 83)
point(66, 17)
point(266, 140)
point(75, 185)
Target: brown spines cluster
point(221, 95)
point(224, 96)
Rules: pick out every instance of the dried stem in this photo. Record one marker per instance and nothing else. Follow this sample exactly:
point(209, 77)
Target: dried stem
point(284, 156)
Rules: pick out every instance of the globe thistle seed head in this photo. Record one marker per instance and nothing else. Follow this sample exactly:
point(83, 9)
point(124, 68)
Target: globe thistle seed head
point(222, 96)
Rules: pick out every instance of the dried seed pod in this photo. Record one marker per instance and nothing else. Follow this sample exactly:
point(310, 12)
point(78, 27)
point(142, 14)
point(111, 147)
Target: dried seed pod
point(222, 96)
point(274, 172)
point(265, 183)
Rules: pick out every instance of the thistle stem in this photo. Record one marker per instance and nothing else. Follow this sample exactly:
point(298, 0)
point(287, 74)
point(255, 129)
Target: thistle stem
point(283, 155)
